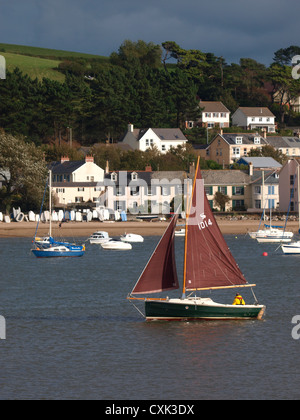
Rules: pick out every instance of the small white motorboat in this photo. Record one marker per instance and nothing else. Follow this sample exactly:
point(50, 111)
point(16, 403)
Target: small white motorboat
point(99, 238)
point(116, 245)
point(131, 237)
point(292, 248)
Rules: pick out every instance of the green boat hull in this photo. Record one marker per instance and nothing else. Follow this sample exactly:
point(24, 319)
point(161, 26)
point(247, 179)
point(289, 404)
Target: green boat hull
point(203, 309)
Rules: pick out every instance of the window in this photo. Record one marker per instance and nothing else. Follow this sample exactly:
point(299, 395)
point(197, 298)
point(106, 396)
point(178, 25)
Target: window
point(120, 205)
point(257, 190)
point(238, 190)
point(223, 190)
point(258, 204)
point(271, 204)
point(134, 176)
point(236, 151)
point(120, 191)
point(256, 140)
point(165, 191)
point(239, 140)
point(292, 178)
point(114, 177)
point(78, 199)
point(163, 148)
point(134, 190)
point(80, 189)
point(271, 190)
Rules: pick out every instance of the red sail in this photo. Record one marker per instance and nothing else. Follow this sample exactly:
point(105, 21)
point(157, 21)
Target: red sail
point(160, 273)
point(208, 262)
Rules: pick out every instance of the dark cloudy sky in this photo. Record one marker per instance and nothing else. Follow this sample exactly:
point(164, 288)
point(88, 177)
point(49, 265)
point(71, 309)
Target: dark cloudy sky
point(229, 28)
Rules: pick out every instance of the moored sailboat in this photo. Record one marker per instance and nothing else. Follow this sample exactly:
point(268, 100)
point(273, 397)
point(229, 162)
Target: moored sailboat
point(208, 265)
point(49, 247)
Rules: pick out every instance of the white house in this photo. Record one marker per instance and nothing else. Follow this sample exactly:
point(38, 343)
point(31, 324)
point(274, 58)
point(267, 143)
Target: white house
point(77, 181)
point(251, 118)
point(214, 114)
point(161, 138)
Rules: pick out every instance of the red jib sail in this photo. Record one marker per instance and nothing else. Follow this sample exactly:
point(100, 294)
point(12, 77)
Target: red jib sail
point(160, 273)
point(208, 260)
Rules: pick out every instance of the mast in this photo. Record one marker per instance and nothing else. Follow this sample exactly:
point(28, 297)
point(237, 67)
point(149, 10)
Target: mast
point(189, 205)
point(50, 201)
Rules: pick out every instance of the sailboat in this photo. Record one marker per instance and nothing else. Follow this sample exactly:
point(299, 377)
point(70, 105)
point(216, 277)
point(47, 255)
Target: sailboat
point(208, 265)
point(48, 247)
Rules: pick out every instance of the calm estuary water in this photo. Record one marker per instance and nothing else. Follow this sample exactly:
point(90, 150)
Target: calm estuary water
point(71, 334)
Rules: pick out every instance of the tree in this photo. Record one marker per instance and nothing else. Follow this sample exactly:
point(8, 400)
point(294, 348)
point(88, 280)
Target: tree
point(285, 87)
point(148, 54)
point(269, 151)
point(221, 200)
point(284, 56)
point(24, 173)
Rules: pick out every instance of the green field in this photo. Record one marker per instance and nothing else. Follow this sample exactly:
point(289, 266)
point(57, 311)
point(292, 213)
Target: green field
point(35, 67)
point(40, 62)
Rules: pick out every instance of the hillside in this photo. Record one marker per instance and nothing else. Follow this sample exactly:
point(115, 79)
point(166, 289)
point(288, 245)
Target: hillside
point(41, 62)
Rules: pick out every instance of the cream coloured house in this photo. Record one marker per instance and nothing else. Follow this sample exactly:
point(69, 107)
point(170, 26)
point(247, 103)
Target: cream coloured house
point(77, 181)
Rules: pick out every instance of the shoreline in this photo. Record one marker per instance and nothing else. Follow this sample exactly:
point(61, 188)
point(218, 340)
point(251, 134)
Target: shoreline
point(154, 228)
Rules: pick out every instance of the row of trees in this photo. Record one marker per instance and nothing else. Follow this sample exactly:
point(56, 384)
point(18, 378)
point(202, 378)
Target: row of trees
point(139, 85)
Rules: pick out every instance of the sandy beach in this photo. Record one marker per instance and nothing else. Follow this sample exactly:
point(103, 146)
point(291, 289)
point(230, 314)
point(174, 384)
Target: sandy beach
point(154, 228)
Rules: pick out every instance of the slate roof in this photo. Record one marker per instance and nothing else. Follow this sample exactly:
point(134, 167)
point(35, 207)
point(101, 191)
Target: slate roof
point(260, 162)
point(283, 142)
point(256, 111)
point(65, 168)
point(226, 177)
point(165, 134)
point(247, 138)
point(270, 178)
point(213, 106)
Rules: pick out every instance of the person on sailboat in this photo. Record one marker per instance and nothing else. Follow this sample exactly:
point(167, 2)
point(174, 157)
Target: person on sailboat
point(239, 300)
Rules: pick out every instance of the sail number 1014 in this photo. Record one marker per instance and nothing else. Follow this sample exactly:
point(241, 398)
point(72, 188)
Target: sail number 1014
point(205, 223)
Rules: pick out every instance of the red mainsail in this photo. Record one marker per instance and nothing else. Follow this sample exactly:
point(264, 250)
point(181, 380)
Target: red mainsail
point(160, 273)
point(208, 260)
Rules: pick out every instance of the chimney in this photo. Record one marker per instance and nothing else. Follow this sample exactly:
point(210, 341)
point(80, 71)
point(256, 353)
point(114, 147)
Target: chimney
point(250, 168)
point(64, 159)
point(107, 167)
point(192, 169)
point(89, 159)
point(265, 134)
point(148, 168)
point(221, 132)
point(130, 128)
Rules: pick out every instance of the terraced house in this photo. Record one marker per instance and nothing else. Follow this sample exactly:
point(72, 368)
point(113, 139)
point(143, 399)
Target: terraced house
point(227, 149)
point(234, 184)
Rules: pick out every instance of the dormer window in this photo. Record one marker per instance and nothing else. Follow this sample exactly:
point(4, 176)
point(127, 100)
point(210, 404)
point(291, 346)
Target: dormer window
point(114, 177)
point(134, 176)
point(256, 140)
point(239, 140)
